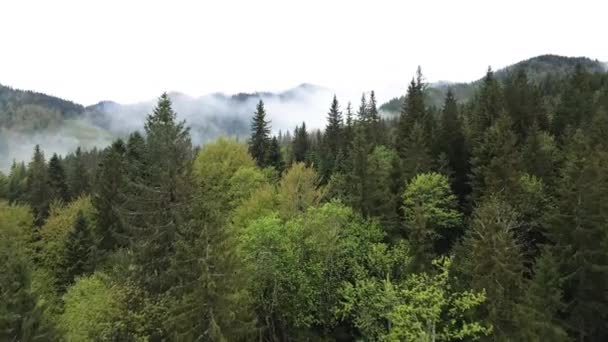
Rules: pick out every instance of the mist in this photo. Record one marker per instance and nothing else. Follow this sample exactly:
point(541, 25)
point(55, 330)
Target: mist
point(208, 117)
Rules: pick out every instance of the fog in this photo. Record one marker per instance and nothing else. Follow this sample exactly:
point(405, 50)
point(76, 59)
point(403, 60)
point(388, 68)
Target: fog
point(208, 117)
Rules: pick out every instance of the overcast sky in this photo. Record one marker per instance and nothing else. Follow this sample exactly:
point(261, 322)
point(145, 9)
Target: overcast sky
point(129, 51)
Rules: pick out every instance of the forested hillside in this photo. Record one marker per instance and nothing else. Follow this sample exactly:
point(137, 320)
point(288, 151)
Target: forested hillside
point(482, 220)
point(541, 69)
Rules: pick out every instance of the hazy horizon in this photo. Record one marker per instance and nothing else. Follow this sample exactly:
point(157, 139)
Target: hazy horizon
point(130, 52)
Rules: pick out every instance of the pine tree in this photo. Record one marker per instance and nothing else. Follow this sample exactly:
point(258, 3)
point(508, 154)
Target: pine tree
point(21, 314)
point(260, 135)
point(79, 177)
point(416, 154)
point(156, 201)
point(453, 144)
point(362, 113)
point(79, 252)
point(539, 310)
point(496, 161)
point(135, 152)
point(488, 107)
point(581, 240)
point(490, 259)
point(349, 126)
point(211, 301)
point(300, 145)
point(17, 187)
point(57, 180)
point(374, 127)
point(275, 157)
point(577, 104)
point(108, 197)
point(358, 178)
point(412, 112)
point(333, 138)
point(522, 103)
point(37, 187)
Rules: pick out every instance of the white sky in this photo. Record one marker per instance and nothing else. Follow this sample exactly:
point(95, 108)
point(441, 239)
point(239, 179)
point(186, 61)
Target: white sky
point(128, 51)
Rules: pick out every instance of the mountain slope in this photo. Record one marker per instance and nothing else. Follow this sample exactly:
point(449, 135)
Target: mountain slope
point(537, 69)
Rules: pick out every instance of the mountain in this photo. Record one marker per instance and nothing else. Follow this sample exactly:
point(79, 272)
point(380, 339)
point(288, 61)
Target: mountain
point(28, 118)
point(537, 69)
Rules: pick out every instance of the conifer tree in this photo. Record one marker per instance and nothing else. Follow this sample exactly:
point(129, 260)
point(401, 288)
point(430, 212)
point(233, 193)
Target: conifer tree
point(416, 154)
point(57, 180)
point(156, 202)
point(21, 315)
point(135, 151)
point(333, 138)
point(37, 186)
point(577, 103)
point(522, 103)
point(374, 126)
point(79, 251)
point(260, 135)
point(108, 197)
point(488, 107)
point(275, 157)
point(79, 183)
point(413, 111)
point(348, 127)
point(362, 113)
point(578, 230)
point(17, 187)
point(490, 259)
point(358, 178)
point(496, 161)
point(453, 144)
point(542, 302)
point(300, 145)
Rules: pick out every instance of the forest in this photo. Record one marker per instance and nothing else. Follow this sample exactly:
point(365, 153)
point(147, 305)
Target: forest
point(477, 220)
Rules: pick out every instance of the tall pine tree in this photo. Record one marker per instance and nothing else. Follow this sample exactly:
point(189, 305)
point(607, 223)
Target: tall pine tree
point(259, 141)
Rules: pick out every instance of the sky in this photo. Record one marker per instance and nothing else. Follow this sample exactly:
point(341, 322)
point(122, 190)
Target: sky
point(130, 51)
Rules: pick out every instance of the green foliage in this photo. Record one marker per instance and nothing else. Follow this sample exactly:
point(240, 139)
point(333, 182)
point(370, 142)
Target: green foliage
point(96, 309)
point(157, 200)
point(79, 251)
point(37, 187)
point(57, 180)
point(21, 316)
point(430, 212)
point(260, 136)
point(298, 190)
point(52, 238)
point(79, 180)
point(108, 198)
point(490, 259)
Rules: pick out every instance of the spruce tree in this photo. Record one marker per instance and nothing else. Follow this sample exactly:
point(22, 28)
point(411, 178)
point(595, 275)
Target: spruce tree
point(57, 180)
point(156, 201)
point(260, 135)
point(496, 161)
point(578, 230)
point(37, 186)
point(413, 111)
point(374, 127)
point(275, 157)
point(21, 315)
point(542, 303)
point(487, 107)
point(333, 138)
point(453, 144)
point(17, 183)
point(79, 252)
point(358, 177)
point(300, 145)
point(79, 183)
point(108, 197)
point(490, 259)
